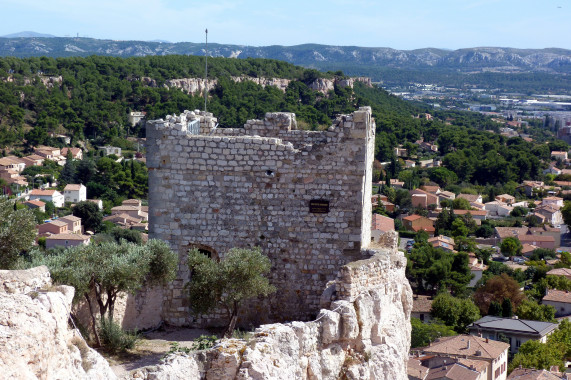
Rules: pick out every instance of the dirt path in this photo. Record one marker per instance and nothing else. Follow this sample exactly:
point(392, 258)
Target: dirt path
point(152, 348)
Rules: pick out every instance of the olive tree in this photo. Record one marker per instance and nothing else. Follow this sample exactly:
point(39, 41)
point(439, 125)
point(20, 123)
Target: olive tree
point(107, 269)
point(237, 277)
point(17, 232)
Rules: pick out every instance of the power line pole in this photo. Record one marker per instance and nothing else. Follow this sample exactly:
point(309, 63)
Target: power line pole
point(206, 72)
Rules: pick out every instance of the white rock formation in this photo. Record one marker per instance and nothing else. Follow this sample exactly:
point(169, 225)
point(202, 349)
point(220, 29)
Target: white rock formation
point(35, 338)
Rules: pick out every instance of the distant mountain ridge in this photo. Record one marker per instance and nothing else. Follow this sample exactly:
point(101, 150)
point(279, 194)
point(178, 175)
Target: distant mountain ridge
point(480, 59)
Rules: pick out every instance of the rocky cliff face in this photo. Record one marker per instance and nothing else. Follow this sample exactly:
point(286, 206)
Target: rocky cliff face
point(35, 338)
point(363, 333)
point(197, 85)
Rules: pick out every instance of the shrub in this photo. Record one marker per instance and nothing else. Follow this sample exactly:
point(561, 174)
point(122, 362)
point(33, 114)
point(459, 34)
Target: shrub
point(204, 342)
point(114, 338)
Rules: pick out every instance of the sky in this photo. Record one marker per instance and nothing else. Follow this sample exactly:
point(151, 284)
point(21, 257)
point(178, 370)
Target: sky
point(398, 24)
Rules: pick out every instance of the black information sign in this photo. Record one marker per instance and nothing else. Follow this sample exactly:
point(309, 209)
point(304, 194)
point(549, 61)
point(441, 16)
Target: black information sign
point(319, 206)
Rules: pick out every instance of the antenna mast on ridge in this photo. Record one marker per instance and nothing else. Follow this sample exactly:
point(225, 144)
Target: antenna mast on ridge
point(206, 72)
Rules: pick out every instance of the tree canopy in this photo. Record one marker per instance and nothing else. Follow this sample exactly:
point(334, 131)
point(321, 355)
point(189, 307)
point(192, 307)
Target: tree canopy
point(108, 269)
point(239, 276)
point(17, 232)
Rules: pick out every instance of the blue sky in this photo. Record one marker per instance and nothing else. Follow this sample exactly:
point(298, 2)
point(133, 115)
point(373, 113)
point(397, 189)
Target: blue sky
point(404, 24)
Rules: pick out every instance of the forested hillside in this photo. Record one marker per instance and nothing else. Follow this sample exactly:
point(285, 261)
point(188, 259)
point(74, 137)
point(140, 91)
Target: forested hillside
point(94, 96)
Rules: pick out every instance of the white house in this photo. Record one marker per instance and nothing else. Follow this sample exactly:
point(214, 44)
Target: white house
point(560, 300)
point(48, 196)
point(75, 193)
point(497, 208)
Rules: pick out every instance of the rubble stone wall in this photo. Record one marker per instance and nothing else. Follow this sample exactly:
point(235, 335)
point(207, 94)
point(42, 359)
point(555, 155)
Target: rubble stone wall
point(302, 196)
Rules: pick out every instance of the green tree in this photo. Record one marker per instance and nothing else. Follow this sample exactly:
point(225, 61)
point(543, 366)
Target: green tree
point(110, 268)
point(461, 204)
point(457, 313)
point(495, 309)
point(423, 334)
point(533, 311)
point(511, 246)
point(566, 213)
point(91, 216)
point(239, 276)
point(507, 310)
point(17, 232)
point(459, 228)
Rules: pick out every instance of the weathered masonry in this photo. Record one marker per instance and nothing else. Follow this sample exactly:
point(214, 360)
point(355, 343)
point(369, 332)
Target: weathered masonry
point(302, 196)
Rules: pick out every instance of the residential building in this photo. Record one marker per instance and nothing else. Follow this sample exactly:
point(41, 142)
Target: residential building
point(477, 198)
point(66, 240)
point(421, 307)
point(497, 208)
point(48, 196)
point(478, 215)
point(536, 374)
point(123, 220)
point(12, 163)
point(552, 170)
point(553, 201)
point(135, 117)
point(36, 204)
point(541, 241)
point(12, 176)
point(48, 152)
point(409, 163)
point(455, 371)
point(73, 223)
point(560, 300)
point(137, 202)
point(532, 186)
point(506, 198)
point(444, 242)
point(396, 183)
point(460, 347)
point(416, 223)
point(426, 163)
point(382, 223)
point(423, 199)
point(132, 211)
point(400, 152)
point(546, 230)
point(517, 331)
point(566, 272)
point(415, 370)
point(504, 232)
point(476, 268)
point(107, 150)
point(76, 153)
point(74, 193)
point(551, 213)
point(557, 155)
point(431, 189)
point(33, 160)
point(98, 202)
point(448, 195)
point(52, 227)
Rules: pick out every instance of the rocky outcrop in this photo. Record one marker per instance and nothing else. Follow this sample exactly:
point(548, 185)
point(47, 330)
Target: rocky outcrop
point(364, 333)
point(35, 338)
point(197, 85)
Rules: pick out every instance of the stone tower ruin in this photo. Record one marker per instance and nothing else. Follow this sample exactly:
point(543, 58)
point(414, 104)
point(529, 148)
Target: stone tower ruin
point(304, 197)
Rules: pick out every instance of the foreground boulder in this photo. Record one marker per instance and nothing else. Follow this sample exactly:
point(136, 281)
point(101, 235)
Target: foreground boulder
point(35, 337)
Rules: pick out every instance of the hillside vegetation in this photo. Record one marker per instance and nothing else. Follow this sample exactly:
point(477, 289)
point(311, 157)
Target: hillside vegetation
point(95, 95)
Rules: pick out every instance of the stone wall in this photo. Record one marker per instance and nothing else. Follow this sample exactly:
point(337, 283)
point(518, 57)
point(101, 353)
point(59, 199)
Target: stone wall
point(35, 338)
point(363, 334)
point(303, 197)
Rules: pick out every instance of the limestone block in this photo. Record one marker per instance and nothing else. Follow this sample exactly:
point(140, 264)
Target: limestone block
point(330, 327)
